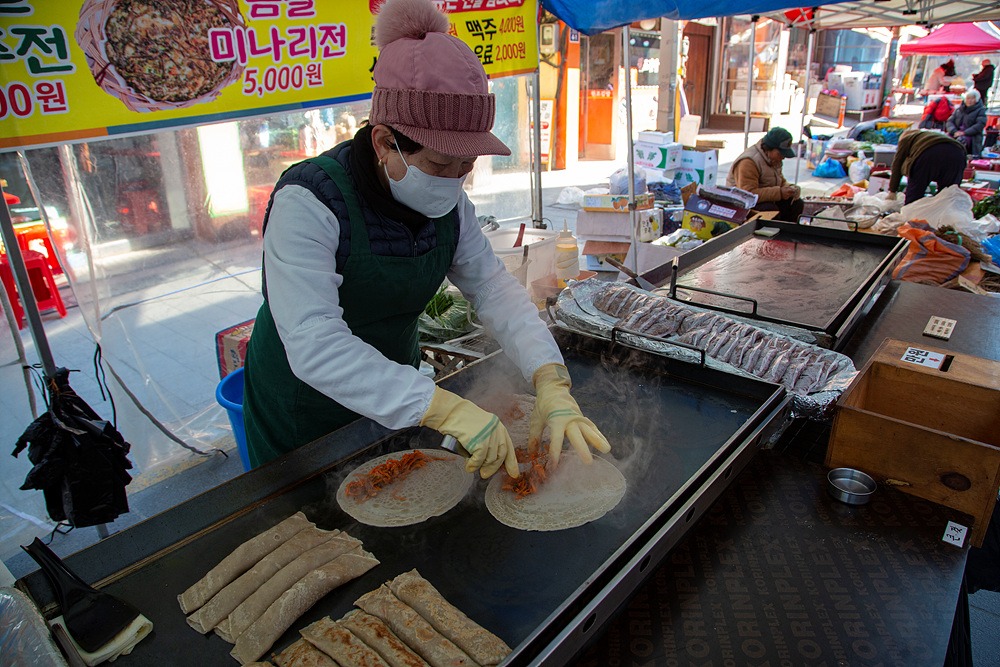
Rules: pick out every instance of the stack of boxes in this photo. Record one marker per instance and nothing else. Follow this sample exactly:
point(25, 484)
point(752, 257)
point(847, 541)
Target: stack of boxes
point(603, 224)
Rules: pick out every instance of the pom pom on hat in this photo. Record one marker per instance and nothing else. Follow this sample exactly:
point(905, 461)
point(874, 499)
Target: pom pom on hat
point(429, 85)
point(413, 19)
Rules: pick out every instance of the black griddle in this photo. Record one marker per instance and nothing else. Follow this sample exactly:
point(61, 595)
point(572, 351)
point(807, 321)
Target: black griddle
point(812, 278)
point(680, 434)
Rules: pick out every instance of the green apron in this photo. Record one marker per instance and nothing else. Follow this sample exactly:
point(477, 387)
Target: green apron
point(382, 298)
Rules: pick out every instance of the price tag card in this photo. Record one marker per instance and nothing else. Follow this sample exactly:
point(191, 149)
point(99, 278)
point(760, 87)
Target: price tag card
point(939, 327)
point(925, 358)
point(954, 533)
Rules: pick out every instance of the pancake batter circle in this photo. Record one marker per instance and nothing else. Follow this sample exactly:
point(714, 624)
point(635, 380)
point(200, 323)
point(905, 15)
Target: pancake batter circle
point(574, 494)
point(427, 492)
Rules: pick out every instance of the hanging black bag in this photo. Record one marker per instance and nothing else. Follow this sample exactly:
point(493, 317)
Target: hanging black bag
point(80, 460)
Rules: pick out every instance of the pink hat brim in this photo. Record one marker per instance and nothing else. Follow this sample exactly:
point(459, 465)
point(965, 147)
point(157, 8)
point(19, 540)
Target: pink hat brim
point(455, 143)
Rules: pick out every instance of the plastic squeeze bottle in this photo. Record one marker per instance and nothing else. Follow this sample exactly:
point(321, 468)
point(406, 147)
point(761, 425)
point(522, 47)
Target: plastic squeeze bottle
point(567, 257)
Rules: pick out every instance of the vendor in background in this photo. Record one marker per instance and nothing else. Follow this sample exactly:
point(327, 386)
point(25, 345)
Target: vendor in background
point(968, 121)
point(926, 156)
point(940, 78)
point(758, 170)
point(359, 239)
point(983, 80)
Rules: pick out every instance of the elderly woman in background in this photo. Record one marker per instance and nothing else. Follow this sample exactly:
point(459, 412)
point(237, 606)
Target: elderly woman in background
point(968, 122)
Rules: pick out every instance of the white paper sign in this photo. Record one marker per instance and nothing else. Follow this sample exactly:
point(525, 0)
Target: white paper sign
point(925, 358)
point(954, 533)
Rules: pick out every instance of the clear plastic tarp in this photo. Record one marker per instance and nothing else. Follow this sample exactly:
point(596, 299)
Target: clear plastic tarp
point(158, 236)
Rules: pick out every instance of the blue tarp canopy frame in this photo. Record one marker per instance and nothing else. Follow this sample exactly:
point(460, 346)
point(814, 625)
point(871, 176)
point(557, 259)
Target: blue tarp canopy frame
point(592, 18)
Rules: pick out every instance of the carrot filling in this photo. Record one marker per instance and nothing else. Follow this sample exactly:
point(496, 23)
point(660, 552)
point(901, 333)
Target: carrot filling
point(532, 476)
point(368, 485)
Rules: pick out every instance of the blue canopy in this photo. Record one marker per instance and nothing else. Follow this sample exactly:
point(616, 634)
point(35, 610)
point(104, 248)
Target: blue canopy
point(592, 18)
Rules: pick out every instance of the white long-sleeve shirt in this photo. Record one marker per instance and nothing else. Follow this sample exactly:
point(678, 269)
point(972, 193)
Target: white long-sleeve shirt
point(300, 249)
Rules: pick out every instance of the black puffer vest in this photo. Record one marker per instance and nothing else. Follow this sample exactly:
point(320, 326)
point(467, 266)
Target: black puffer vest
point(386, 236)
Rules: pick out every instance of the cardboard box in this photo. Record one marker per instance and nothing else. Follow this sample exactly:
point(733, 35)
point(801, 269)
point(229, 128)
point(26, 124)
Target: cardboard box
point(649, 224)
point(658, 138)
point(698, 165)
point(707, 218)
point(616, 203)
point(594, 253)
point(231, 347)
point(892, 423)
point(653, 156)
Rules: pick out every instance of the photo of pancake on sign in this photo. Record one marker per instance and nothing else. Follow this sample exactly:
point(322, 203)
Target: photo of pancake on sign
point(707, 218)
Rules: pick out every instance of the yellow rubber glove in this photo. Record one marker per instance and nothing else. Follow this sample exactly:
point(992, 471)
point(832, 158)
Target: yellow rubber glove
point(479, 432)
point(555, 408)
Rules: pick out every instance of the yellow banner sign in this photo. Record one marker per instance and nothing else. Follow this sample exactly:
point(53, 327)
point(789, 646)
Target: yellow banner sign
point(71, 71)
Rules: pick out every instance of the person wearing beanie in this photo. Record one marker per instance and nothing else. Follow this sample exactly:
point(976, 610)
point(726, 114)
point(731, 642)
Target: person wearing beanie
point(358, 240)
point(758, 170)
point(924, 156)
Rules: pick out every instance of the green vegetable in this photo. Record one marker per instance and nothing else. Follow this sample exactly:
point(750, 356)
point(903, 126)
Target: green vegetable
point(986, 206)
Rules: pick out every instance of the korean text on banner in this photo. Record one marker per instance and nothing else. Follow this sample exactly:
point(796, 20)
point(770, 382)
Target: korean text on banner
point(81, 69)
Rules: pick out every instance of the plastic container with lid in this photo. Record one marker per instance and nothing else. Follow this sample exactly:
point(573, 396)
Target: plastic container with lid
point(567, 257)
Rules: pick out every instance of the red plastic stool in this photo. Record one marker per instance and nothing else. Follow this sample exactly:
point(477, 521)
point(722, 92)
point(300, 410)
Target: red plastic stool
point(43, 285)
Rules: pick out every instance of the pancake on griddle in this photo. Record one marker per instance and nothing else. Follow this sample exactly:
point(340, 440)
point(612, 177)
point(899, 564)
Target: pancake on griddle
point(425, 492)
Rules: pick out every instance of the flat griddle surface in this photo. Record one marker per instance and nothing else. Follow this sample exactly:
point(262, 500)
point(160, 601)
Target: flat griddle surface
point(802, 279)
point(666, 430)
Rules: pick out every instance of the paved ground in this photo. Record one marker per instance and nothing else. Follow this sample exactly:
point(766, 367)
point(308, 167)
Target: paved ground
point(177, 300)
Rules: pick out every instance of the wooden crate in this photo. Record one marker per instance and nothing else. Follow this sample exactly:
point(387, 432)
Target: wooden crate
point(935, 431)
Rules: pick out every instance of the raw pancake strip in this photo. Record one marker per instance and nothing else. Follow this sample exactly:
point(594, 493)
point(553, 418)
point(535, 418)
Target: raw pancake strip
point(239, 561)
point(409, 626)
point(340, 644)
point(220, 606)
point(303, 654)
point(482, 645)
point(284, 611)
point(257, 603)
point(376, 634)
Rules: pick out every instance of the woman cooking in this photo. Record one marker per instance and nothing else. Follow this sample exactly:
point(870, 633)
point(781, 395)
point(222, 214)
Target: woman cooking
point(357, 241)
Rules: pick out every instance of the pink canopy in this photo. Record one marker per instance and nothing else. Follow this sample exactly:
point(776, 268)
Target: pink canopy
point(956, 39)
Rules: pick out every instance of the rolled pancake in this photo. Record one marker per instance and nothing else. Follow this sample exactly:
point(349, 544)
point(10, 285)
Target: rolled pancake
point(239, 561)
point(257, 603)
point(284, 611)
point(374, 632)
point(411, 627)
point(340, 644)
point(482, 645)
point(574, 493)
point(303, 654)
point(223, 602)
point(428, 491)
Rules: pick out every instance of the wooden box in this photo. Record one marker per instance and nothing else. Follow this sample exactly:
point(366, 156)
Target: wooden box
point(933, 432)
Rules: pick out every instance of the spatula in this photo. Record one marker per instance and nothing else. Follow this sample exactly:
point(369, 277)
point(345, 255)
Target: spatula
point(643, 283)
point(93, 618)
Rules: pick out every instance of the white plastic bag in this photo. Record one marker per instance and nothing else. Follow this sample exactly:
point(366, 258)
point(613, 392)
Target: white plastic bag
point(952, 207)
point(619, 181)
point(859, 170)
point(879, 201)
point(570, 195)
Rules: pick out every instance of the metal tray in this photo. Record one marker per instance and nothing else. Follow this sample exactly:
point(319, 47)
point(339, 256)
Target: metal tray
point(680, 434)
point(815, 279)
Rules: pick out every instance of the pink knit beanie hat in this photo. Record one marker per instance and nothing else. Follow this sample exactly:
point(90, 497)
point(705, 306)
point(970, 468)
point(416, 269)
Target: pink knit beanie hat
point(429, 85)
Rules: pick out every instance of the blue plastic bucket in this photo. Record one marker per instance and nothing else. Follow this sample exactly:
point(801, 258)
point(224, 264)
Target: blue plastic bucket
point(229, 394)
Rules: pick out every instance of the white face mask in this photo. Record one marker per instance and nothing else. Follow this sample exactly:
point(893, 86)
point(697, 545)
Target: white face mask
point(434, 196)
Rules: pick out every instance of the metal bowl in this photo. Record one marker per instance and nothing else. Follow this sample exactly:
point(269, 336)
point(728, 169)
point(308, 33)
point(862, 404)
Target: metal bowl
point(863, 216)
point(850, 486)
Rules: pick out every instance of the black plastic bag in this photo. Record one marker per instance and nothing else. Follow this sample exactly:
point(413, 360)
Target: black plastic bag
point(80, 460)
